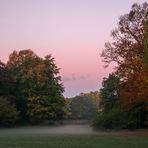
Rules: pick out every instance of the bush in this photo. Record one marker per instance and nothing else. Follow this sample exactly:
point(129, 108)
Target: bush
point(108, 120)
point(8, 113)
point(135, 118)
point(117, 119)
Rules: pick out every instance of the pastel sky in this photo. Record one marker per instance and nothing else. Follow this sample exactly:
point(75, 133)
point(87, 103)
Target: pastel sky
point(73, 31)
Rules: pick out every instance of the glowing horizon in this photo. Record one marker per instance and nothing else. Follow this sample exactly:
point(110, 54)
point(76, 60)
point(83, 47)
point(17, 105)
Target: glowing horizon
point(73, 31)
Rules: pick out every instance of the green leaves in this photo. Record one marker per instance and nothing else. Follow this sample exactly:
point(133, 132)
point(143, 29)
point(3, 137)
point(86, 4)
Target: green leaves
point(110, 92)
point(8, 113)
point(38, 86)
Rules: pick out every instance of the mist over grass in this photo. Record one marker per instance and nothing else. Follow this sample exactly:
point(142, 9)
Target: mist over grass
point(50, 130)
point(70, 136)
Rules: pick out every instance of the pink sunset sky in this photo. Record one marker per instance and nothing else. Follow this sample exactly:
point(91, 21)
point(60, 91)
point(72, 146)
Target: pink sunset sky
point(73, 31)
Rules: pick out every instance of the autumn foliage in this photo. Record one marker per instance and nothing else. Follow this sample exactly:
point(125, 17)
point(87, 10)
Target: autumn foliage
point(129, 49)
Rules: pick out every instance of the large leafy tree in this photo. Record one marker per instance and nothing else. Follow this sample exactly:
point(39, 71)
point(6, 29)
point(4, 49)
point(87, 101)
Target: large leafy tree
point(39, 88)
point(128, 37)
point(127, 47)
point(129, 50)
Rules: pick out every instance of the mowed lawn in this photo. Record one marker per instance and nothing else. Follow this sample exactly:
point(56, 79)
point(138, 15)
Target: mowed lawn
point(72, 141)
point(38, 138)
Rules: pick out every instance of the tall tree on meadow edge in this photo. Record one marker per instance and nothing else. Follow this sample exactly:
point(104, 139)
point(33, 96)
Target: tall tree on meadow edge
point(135, 89)
point(39, 88)
point(128, 50)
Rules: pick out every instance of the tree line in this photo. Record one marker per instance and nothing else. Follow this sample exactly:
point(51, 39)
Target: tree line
point(83, 106)
point(31, 92)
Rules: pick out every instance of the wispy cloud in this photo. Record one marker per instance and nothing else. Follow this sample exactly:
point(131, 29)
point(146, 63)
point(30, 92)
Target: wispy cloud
point(75, 77)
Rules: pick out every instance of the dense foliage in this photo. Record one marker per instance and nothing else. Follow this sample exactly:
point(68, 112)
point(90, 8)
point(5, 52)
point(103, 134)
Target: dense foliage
point(8, 113)
point(33, 84)
point(130, 51)
point(110, 92)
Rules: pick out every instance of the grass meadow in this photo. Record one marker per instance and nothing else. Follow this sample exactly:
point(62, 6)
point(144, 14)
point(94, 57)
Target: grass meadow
point(38, 137)
point(71, 141)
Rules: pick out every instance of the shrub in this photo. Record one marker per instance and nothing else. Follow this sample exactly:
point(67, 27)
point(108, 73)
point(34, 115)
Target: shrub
point(108, 120)
point(8, 113)
point(135, 118)
point(117, 119)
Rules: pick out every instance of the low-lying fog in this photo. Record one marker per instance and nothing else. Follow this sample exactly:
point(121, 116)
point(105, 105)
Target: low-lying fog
point(68, 130)
point(61, 129)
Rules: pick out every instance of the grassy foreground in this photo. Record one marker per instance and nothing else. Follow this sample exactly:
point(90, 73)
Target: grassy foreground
point(71, 141)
